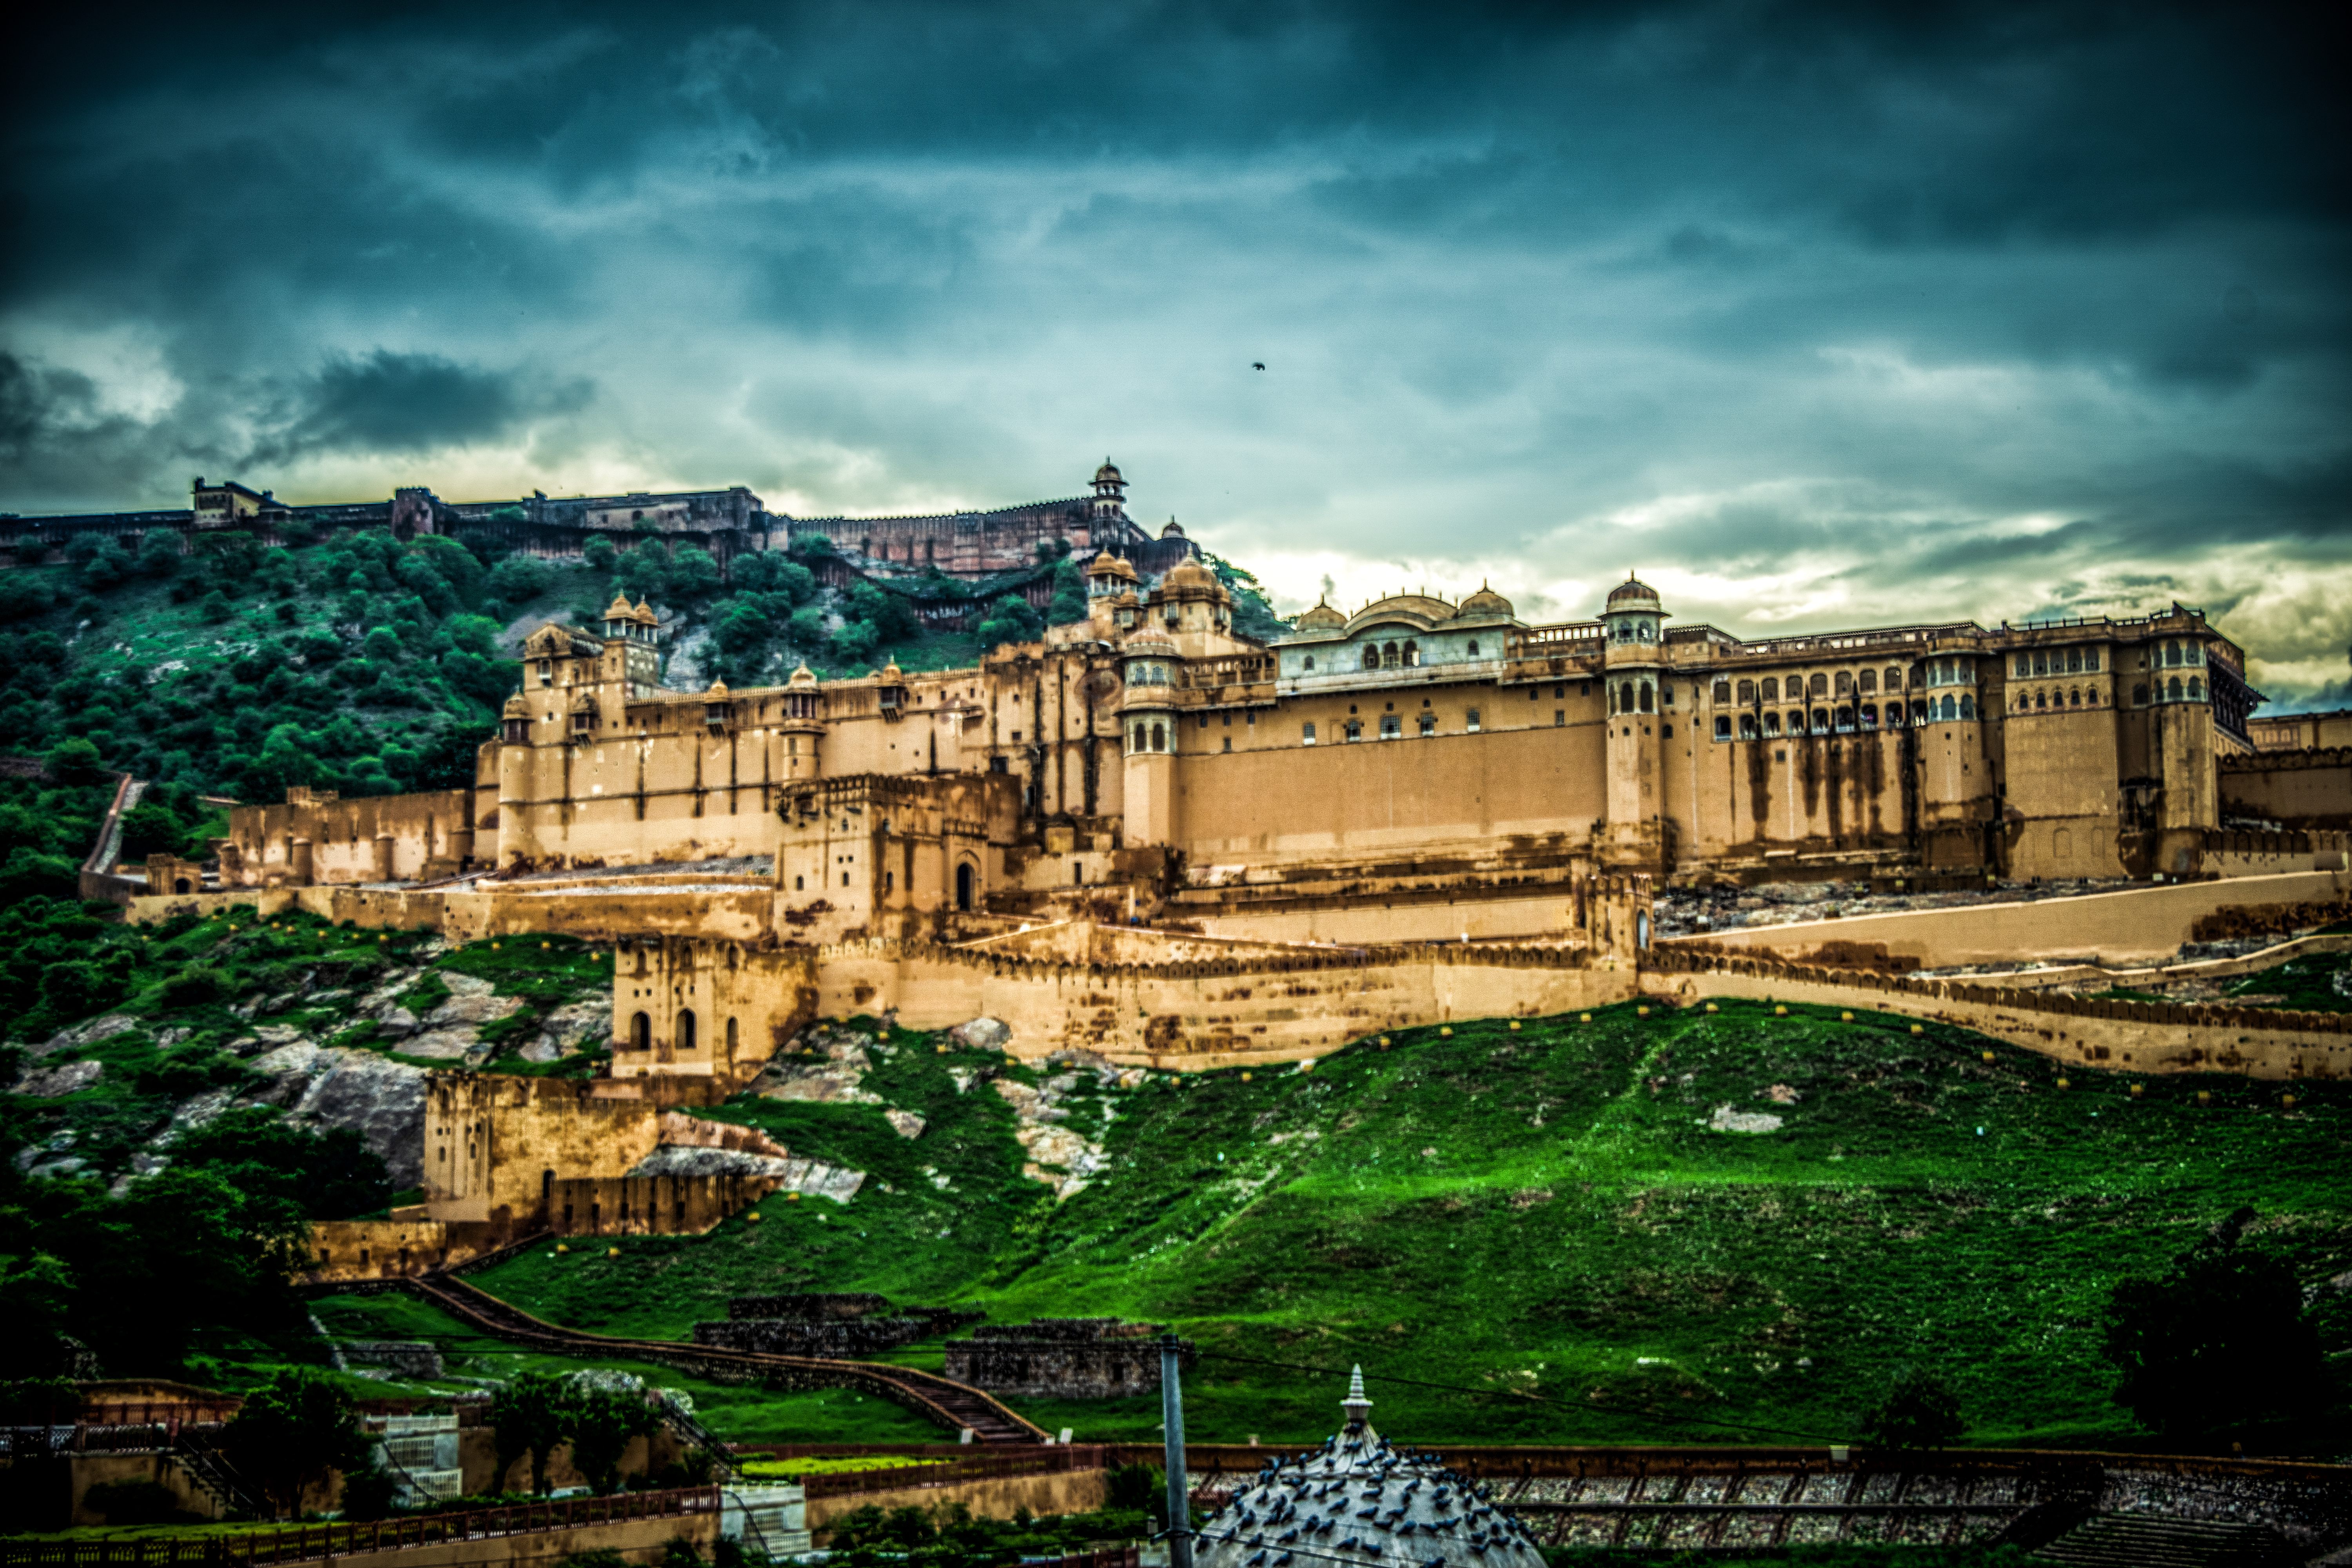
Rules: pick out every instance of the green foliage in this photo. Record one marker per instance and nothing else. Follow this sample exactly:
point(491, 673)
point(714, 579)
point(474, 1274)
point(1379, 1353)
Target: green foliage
point(291, 1432)
point(2218, 1341)
point(330, 1175)
point(532, 1414)
point(602, 1422)
point(1069, 605)
point(1010, 620)
point(950, 1535)
point(519, 579)
point(600, 553)
point(1919, 1411)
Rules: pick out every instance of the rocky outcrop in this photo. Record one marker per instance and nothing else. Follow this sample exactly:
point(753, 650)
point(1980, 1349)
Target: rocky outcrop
point(66, 1078)
point(812, 1178)
point(381, 1100)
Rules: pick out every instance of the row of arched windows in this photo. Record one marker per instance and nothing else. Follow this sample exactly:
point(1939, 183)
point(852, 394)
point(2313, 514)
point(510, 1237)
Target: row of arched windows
point(2052, 697)
point(1148, 738)
point(2057, 661)
point(1846, 719)
point(2173, 690)
point(1146, 675)
point(1388, 655)
point(1633, 697)
point(641, 1032)
point(2183, 653)
point(1840, 683)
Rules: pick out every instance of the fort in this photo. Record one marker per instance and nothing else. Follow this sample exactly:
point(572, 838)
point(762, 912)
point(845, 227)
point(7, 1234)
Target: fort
point(1149, 840)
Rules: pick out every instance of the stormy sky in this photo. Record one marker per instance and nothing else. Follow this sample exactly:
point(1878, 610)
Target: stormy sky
point(1817, 315)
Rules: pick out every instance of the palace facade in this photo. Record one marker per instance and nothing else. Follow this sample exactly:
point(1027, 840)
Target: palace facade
point(1418, 768)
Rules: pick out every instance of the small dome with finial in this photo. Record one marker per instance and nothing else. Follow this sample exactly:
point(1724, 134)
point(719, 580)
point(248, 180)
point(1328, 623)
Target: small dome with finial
point(1634, 593)
point(644, 614)
point(619, 610)
point(1108, 474)
point(803, 678)
point(516, 708)
point(1322, 617)
point(717, 688)
point(1485, 602)
point(1173, 531)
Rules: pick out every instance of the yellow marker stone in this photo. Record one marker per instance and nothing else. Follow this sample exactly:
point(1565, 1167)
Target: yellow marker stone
point(2204, 1096)
point(2287, 1102)
point(1245, 1078)
point(1845, 1017)
point(547, 944)
point(1987, 1055)
point(1710, 1006)
point(942, 1050)
point(2064, 1084)
point(791, 1197)
point(1444, 1033)
point(612, 1252)
point(1778, 1011)
point(1385, 1042)
point(1917, 1030)
point(1584, 1017)
point(561, 1247)
point(2138, 1090)
point(1641, 1012)
point(753, 1216)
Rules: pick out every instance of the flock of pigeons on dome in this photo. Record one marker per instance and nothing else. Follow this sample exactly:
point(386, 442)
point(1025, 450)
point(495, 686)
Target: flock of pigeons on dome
point(1359, 1499)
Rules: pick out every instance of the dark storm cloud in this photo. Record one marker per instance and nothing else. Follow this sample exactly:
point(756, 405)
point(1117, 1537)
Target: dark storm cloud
point(402, 402)
point(1845, 312)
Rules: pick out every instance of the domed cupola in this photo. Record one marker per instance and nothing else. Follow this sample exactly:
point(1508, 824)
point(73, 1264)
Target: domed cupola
point(1111, 493)
point(1485, 602)
point(1633, 615)
point(1174, 530)
point(1359, 1499)
point(1321, 618)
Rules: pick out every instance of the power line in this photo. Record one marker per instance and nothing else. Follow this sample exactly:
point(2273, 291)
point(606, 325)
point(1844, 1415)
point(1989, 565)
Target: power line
point(1535, 1398)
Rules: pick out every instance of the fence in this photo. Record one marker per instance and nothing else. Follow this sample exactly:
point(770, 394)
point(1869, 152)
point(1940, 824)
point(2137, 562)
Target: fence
point(314, 1542)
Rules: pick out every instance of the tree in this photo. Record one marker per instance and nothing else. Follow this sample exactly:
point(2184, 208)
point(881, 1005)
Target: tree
point(693, 574)
point(1069, 603)
point(532, 1414)
point(519, 579)
point(1919, 1411)
point(292, 1433)
point(2218, 1341)
point(599, 552)
point(159, 553)
point(1009, 619)
point(330, 1175)
point(602, 1420)
point(74, 761)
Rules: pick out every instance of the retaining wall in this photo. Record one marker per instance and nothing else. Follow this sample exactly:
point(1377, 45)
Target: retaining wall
point(2116, 931)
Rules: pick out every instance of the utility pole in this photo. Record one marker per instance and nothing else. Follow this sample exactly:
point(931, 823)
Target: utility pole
point(1172, 1414)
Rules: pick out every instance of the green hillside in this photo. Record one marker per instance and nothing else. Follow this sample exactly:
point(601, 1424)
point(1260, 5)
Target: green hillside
point(361, 664)
point(1548, 1215)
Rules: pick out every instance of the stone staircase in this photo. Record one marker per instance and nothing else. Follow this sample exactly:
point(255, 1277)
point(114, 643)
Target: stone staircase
point(2141, 1540)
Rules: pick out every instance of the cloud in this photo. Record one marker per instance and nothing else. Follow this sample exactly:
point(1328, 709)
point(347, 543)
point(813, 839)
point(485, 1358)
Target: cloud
point(409, 403)
point(1826, 314)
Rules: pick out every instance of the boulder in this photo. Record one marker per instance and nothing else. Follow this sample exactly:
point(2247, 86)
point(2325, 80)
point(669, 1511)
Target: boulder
point(574, 1026)
point(464, 984)
point(396, 1024)
point(67, 1078)
point(453, 1043)
point(983, 1034)
point(86, 1034)
point(480, 1007)
point(905, 1123)
point(381, 1100)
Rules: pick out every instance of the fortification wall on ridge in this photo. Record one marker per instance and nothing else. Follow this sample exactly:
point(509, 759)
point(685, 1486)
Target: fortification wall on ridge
point(2129, 1037)
point(2116, 931)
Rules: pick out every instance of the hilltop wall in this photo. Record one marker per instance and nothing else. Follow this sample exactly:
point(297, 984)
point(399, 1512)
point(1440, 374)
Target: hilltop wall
point(2132, 1037)
point(2118, 931)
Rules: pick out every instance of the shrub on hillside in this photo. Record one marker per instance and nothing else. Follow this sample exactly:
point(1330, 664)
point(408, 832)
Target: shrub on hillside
point(1919, 1411)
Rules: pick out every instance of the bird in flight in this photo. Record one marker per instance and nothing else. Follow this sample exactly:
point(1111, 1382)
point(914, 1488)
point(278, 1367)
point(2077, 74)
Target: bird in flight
point(1257, 365)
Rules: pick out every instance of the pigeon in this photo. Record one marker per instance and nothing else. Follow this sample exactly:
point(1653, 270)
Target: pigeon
point(1257, 365)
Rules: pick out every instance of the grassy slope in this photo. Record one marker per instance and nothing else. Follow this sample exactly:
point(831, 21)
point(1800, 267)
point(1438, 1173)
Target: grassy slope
point(1546, 1212)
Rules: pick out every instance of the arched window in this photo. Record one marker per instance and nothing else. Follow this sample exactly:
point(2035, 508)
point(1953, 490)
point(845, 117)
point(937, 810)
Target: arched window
point(1894, 681)
point(1387, 656)
point(2023, 702)
point(2041, 662)
point(2196, 689)
point(2024, 664)
point(641, 1033)
point(1371, 655)
point(2075, 699)
point(1412, 654)
point(964, 879)
point(1307, 663)
point(1771, 690)
point(1746, 692)
point(2195, 654)
point(1844, 718)
point(1624, 697)
point(2074, 659)
point(1771, 724)
point(1951, 708)
point(1818, 687)
point(1720, 691)
point(1647, 698)
point(1845, 684)
point(1139, 736)
point(1918, 714)
point(2172, 652)
point(2092, 697)
point(1821, 721)
point(1748, 726)
point(2041, 699)
point(732, 1038)
point(1870, 715)
point(1306, 735)
point(1723, 726)
point(1868, 681)
point(1474, 647)
point(2139, 695)
point(1968, 706)
point(1355, 728)
point(2091, 660)
point(1158, 738)
point(2172, 692)
point(797, 886)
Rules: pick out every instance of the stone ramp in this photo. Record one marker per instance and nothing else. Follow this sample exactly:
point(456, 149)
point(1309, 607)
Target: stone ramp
point(2139, 1541)
point(952, 1405)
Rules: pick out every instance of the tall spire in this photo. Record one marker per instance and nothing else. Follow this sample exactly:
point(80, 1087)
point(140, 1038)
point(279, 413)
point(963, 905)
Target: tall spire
point(1358, 1407)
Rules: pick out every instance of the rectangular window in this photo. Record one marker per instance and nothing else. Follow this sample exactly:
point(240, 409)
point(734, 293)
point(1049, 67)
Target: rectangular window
point(1204, 721)
point(1723, 726)
point(1306, 735)
point(1471, 722)
point(1355, 728)
point(1429, 723)
point(1560, 717)
point(1391, 727)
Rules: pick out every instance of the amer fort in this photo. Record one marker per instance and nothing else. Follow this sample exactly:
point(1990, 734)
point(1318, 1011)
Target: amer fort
point(1150, 839)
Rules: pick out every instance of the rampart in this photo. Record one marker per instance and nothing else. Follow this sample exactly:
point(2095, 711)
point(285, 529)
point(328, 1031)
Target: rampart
point(2133, 1036)
point(2299, 789)
point(2122, 930)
